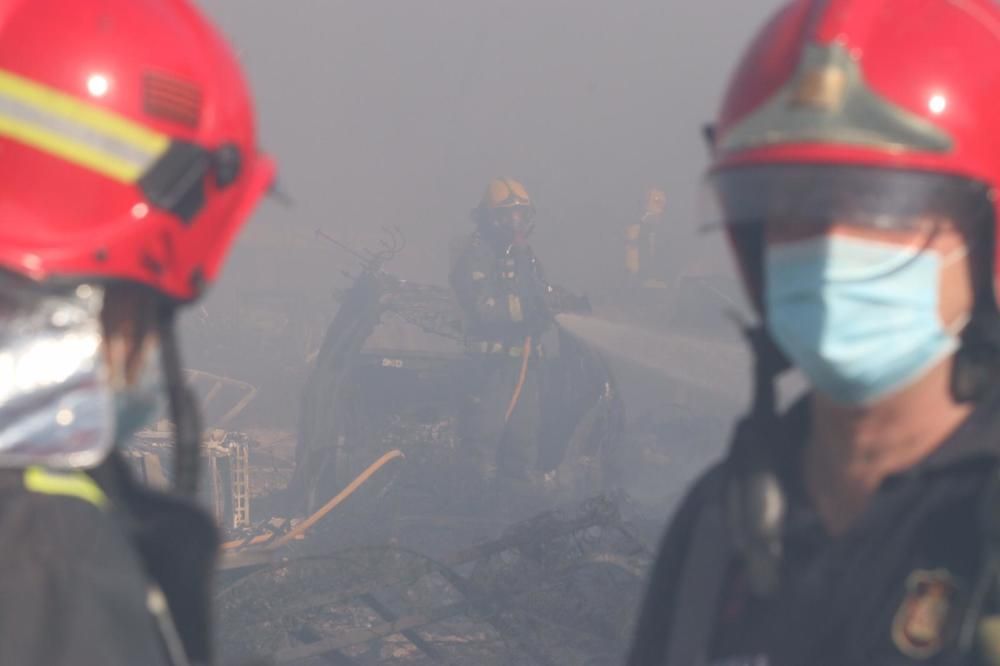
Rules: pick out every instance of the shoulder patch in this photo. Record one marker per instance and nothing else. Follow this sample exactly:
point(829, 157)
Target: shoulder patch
point(988, 635)
point(920, 626)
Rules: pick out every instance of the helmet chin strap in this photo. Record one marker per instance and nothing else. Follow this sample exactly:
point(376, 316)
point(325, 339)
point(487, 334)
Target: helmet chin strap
point(183, 408)
point(976, 370)
point(529, 228)
point(755, 503)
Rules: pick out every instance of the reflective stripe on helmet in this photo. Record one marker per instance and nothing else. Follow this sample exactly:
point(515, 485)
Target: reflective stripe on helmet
point(81, 133)
point(66, 484)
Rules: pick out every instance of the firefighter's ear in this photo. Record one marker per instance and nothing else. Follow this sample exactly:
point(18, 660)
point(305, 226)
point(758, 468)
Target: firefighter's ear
point(708, 134)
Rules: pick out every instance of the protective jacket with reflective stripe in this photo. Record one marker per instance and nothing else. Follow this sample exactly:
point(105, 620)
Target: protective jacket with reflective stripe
point(83, 556)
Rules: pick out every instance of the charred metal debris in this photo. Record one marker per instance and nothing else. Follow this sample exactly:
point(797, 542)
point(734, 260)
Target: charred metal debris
point(347, 542)
point(557, 589)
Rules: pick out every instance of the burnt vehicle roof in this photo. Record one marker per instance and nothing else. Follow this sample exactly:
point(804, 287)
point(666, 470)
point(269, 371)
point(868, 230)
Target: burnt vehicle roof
point(417, 320)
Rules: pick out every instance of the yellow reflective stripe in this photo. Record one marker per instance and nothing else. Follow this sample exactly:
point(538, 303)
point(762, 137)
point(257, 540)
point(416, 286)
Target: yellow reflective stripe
point(76, 131)
point(514, 308)
point(72, 151)
point(67, 484)
point(100, 120)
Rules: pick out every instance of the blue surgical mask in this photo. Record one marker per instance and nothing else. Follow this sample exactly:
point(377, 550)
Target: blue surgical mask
point(859, 318)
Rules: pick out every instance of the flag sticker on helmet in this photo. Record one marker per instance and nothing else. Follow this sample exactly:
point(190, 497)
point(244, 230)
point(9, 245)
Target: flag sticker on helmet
point(76, 131)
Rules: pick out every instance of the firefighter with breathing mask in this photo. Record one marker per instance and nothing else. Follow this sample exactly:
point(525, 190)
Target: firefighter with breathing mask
point(508, 305)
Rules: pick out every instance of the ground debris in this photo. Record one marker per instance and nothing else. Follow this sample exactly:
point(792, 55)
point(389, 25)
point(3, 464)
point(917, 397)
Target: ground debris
point(560, 588)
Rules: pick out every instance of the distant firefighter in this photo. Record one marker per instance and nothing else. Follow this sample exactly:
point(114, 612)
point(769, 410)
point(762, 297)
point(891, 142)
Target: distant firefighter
point(507, 304)
point(641, 238)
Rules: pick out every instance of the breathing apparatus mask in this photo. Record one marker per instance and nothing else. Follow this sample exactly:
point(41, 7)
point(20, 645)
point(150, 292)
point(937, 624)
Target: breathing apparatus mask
point(507, 226)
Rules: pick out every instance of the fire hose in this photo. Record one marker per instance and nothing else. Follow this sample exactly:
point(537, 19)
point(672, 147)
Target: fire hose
point(321, 513)
point(516, 396)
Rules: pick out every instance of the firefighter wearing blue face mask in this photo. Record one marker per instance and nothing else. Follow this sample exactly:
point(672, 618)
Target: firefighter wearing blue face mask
point(861, 318)
point(855, 174)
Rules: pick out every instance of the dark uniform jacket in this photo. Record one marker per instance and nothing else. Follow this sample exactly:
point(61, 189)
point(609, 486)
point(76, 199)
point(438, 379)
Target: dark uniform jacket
point(97, 571)
point(893, 590)
point(503, 294)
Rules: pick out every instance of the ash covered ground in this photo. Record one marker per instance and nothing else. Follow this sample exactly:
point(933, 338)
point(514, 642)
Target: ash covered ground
point(426, 562)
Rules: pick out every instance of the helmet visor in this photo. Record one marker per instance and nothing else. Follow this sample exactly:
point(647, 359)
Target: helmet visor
point(791, 202)
point(820, 195)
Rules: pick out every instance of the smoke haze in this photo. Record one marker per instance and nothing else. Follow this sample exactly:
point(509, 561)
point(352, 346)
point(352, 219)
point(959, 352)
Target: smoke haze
point(398, 113)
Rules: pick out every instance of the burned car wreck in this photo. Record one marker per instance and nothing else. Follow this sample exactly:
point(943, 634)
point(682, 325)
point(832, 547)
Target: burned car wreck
point(392, 372)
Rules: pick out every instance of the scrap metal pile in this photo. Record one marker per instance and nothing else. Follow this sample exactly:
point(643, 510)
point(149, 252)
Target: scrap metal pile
point(557, 589)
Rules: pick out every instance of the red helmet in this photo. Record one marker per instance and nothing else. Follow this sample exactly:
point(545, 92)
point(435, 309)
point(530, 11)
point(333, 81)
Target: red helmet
point(877, 109)
point(127, 140)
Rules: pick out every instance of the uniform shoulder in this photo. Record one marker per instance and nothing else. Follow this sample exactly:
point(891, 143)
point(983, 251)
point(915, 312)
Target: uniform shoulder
point(663, 585)
point(73, 557)
point(62, 529)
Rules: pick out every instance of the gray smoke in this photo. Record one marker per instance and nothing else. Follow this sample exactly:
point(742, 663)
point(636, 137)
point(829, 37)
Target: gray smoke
point(705, 364)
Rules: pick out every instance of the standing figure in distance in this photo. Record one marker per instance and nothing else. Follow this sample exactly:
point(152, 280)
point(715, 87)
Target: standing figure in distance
point(505, 301)
point(642, 261)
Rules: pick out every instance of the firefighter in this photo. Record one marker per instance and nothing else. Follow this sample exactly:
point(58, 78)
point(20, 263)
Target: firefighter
point(855, 166)
point(128, 164)
point(508, 307)
point(641, 256)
